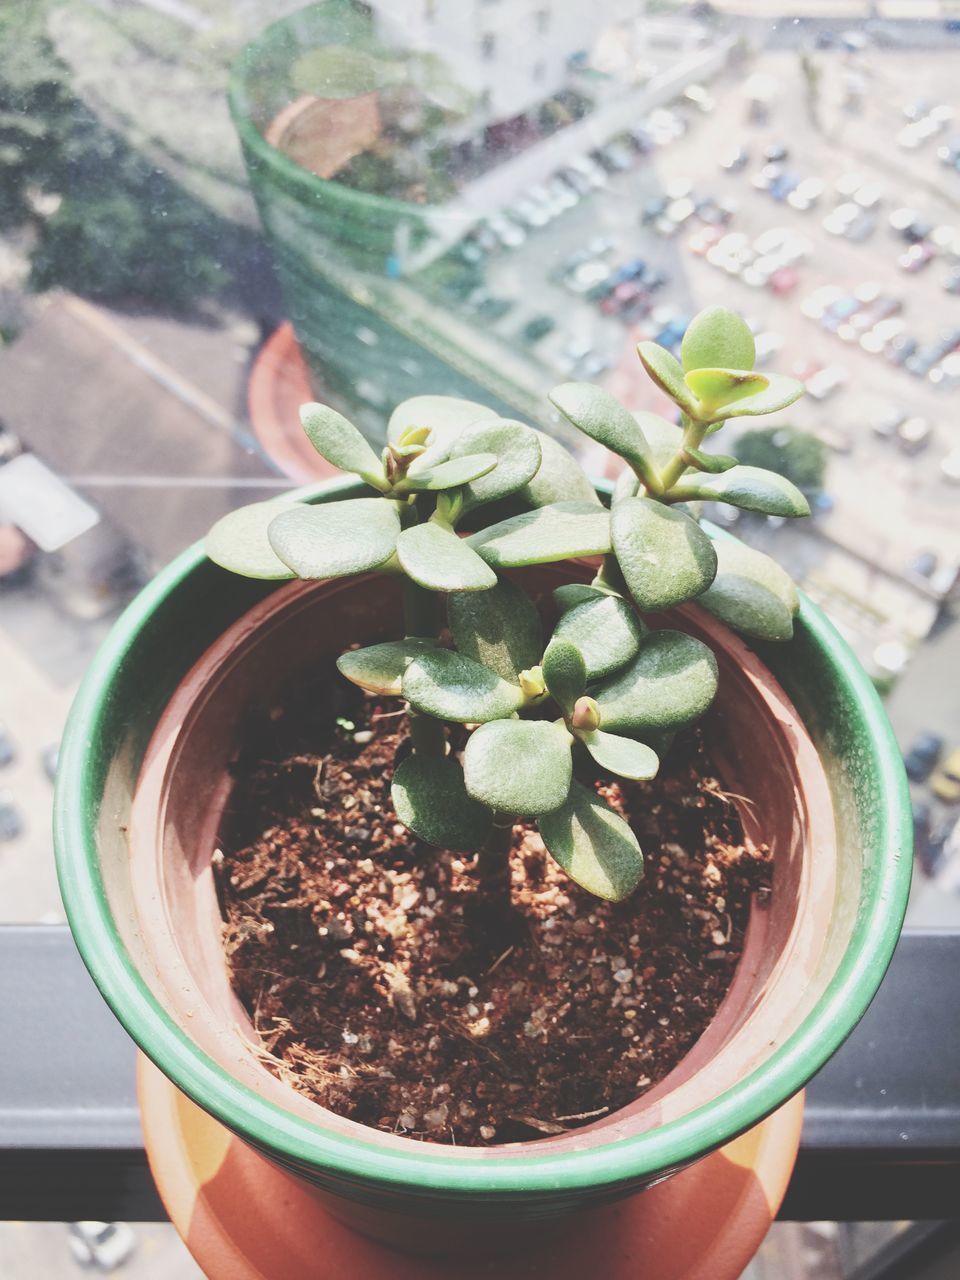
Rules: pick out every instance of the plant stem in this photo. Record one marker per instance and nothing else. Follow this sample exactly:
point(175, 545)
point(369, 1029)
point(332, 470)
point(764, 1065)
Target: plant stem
point(493, 864)
point(420, 619)
point(693, 434)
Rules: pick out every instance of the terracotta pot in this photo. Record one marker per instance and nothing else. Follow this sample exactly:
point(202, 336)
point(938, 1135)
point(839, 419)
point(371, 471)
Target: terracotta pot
point(163, 701)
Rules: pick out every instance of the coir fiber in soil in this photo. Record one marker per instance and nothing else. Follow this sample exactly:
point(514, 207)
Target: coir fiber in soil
point(388, 988)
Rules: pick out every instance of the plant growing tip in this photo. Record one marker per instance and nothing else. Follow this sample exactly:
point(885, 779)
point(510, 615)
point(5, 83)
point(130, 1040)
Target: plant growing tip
point(538, 709)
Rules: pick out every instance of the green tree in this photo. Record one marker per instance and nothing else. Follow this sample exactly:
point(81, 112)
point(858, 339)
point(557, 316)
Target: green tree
point(796, 454)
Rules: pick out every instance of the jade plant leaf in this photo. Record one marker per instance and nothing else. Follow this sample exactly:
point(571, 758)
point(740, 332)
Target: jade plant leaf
point(780, 392)
point(445, 416)
point(517, 450)
point(430, 799)
point(713, 463)
point(572, 594)
point(595, 846)
point(663, 437)
point(717, 337)
point(605, 630)
point(751, 593)
point(624, 756)
point(564, 673)
point(670, 682)
point(752, 488)
point(339, 441)
point(499, 628)
point(450, 474)
point(379, 668)
point(664, 555)
point(557, 532)
point(601, 416)
point(519, 766)
point(718, 387)
point(449, 686)
point(560, 477)
point(667, 372)
point(342, 71)
point(239, 542)
point(433, 555)
point(626, 485)
point(336, 538)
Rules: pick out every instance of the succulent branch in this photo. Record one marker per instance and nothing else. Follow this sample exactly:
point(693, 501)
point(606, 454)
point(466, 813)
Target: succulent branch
point(602, 693)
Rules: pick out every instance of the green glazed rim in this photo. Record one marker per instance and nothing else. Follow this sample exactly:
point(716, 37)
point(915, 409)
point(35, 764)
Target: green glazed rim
point(295, 1141)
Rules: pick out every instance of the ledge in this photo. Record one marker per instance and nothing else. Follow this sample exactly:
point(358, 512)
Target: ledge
point(881, 1136)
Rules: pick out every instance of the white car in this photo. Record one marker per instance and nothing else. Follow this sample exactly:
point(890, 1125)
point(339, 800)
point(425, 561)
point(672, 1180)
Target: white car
point(507, 232)
point(816, 304)
point(825, 382)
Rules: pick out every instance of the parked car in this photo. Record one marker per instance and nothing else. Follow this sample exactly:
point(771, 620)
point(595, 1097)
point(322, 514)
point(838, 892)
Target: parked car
point(914, 434)
point(945, 781)
point(537, 328)
point(507, 232)
point(775, 153)
point(805, 194)
point(586, 275)
point(826, 382)
point(886, 423)
point(916, 257)
point(734, 160)
point(11, 821)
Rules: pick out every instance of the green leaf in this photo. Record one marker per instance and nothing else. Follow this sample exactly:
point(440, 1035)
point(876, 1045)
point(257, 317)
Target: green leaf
point(712, 463)
point(715, 388)
point(560, 477)
point(573, 593)
point(663, 437)
point(438, 559)
point(718, 337)
point(519, 766)
point(339, 441)
point(664, 555)
point(667, 372)
point(430, 799)
point(239, 542)
point(601, 416)
point(781, 392)
point(558, 532)
point(379, 668)
point(751, 593)
point(564, 673)
point(450, 474)
point(499, 628)
point(670, 682)
point(623, 756)
point(605, 630)
point(517, 450)
point(449, 686)
point(342, 71)
point(594, 845)
point(445, 416)
point(625, 486)
point(752, 488)
point(336, 538)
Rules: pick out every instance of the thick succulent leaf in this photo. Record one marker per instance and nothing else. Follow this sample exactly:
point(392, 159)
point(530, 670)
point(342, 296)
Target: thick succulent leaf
point(601, 416)
point(623, 756)
point(430, 799)
point(558, 532)
point(663, 437)
point(519, 766)
point(719, 387)
point(449, 686)
point(517, 450)
point(664, 555)
point(446, 416)
point(667, 372)
point(752, 488)
point(625, 486)
point(379, 668)
point(340, 442)
point(342, 71)
point(450, 474)
point(336, 538)
point(572, 594)
point(560, 477)
point(564, 673)
point(594, 845)
point(499, 628)
point(605, 630)
point(718, 337)
point(670, 682)
point(434, 556)
point(751, 593)
point(713, 463)
point(239, 542)
point(781, 392)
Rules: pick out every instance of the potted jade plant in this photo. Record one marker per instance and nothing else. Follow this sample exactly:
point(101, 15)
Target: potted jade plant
point(482, 848)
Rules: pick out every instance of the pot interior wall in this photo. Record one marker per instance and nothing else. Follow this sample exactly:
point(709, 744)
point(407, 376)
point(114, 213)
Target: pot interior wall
point(764, 755)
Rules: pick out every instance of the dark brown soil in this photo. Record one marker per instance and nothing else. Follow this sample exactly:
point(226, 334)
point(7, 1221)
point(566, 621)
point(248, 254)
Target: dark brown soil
point(383, 987)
